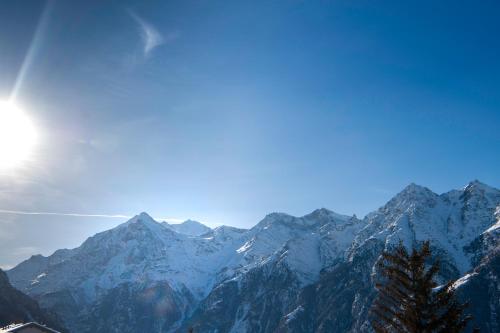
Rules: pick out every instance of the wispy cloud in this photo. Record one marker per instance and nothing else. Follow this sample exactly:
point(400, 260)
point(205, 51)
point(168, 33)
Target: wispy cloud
point(150, 36)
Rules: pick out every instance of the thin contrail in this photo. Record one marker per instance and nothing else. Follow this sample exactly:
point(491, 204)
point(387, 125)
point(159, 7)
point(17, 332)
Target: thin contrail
point(18, 212)
point(112, 216)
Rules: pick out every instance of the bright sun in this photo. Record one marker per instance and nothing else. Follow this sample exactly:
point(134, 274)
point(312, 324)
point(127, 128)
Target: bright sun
point(17, 136)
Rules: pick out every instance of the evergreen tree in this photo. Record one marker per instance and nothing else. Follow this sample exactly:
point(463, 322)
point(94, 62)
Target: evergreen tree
point(409, 299)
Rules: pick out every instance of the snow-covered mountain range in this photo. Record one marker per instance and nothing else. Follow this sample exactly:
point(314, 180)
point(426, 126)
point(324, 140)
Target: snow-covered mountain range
point(286, 274)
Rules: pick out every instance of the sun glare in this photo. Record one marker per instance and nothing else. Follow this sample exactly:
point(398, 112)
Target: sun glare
point(17, 136)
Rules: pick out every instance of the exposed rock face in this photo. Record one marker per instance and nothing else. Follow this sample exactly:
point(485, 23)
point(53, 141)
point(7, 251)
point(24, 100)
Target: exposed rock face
point(287, 274)
point(481, 288)
point(151, 308)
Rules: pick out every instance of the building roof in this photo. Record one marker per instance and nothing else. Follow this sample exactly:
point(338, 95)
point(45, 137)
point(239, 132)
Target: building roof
point(18, 328)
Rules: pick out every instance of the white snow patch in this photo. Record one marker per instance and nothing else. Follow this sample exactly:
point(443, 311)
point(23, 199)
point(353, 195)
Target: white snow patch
point(292, 315)
point(245, 247)
point(463, 280)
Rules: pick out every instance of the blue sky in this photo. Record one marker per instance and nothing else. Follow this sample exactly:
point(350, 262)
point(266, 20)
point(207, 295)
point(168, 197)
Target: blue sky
point(224, 111)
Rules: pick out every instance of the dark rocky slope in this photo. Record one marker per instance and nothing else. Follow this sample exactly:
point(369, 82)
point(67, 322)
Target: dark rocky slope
point(17, 307)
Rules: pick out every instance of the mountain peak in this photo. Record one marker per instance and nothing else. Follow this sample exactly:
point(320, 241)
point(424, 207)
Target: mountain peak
point(191, 222)
point(142, 218)
point(476, 185)
point(190, 228)
point(141, 221)
point(225, 232)
point(414, 191)
point(228, 228)
point(412, 187)
point(323, 213)
point(411, 195)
